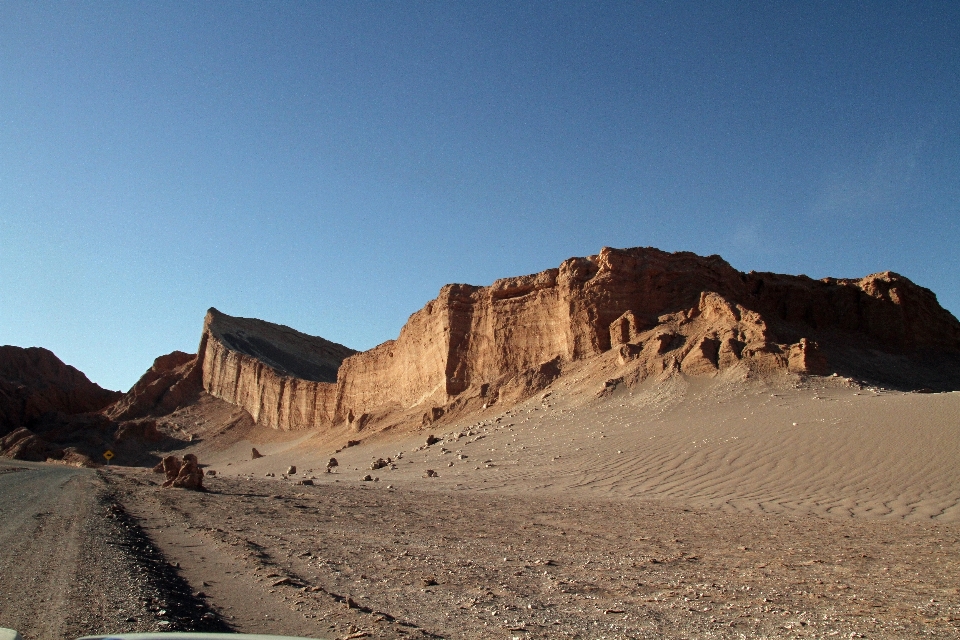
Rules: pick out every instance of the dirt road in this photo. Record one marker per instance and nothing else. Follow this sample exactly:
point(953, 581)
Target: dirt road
point(72, 562)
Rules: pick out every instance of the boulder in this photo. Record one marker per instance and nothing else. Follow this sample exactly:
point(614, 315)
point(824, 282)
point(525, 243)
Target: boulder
point(171, 468)
point(183, 474)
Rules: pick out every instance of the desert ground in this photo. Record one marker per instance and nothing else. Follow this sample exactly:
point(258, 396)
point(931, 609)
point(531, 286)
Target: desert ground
point(679, 508)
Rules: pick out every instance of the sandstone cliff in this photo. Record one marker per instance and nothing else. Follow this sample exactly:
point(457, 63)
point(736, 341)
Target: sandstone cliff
point(285, 379)
point(661, 313)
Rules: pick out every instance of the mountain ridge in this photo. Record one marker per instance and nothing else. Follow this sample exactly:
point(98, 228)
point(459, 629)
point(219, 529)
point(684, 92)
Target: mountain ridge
point(661, 313)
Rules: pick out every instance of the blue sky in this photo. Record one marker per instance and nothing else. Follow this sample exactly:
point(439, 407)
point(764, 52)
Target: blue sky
point(331, 165)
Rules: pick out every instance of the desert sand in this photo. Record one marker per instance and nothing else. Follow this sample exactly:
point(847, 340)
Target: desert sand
point(823, 446)
point(729, 507)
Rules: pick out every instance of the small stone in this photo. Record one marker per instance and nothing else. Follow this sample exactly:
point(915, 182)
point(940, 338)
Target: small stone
point(367, 478)
point(291, 470)
point(254, 454)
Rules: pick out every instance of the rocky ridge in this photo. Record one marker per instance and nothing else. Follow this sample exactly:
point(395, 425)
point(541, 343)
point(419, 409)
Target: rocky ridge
point(657, 313)
point(644, 312)
point(34, 382)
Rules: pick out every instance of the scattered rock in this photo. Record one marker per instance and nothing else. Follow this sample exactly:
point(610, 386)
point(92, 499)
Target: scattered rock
point(254, 454)
point(432, 439)
point(430, 473)
point(23, 444)
point(291, 470)
point(367, 478)
point(308, 482)
point(211, 472)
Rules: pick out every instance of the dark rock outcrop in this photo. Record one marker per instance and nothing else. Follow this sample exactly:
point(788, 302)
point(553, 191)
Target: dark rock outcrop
point(174, 380)
point(34, 383)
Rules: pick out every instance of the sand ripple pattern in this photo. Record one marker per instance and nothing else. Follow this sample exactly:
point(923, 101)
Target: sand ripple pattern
point(838, 453)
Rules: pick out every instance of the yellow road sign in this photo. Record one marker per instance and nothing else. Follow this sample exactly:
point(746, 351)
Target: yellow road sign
point(108, 455)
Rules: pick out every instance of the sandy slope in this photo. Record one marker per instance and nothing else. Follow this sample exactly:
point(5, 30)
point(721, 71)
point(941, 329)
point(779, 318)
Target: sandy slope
point(726, 507)
point(822, 446)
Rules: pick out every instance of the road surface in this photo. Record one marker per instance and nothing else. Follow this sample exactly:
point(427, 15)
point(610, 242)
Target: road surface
point(72, 562)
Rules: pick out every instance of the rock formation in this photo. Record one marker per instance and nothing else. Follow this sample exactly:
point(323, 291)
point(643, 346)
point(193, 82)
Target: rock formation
point(23, 444)
point(658, 313)
point(182, 474)
point(34, 382)
point(173, 381)
point(49, 410)
point(285, 379)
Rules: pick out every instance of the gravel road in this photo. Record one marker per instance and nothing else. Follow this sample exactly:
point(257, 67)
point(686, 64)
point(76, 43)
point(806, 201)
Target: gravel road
point(73, 563)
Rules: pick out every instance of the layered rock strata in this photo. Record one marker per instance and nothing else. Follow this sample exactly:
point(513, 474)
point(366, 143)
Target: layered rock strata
point(660, 312)
point(285, 379)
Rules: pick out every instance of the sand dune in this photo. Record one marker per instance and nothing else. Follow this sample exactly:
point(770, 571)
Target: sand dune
point(823, 446)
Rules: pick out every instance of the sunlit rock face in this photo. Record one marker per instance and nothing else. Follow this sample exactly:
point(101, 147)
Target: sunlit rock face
point(660, 313)
point(285, 379)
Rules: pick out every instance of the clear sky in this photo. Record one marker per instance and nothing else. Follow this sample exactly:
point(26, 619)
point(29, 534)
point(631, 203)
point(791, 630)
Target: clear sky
point(330, 165)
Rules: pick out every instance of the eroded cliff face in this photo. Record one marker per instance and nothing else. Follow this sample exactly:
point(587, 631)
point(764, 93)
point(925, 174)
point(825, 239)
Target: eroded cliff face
point(285, 379)
point(661, 313)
